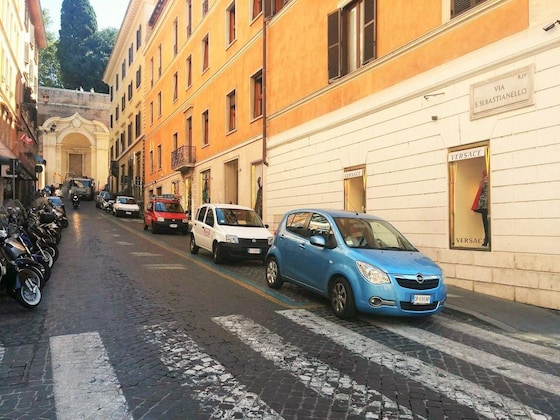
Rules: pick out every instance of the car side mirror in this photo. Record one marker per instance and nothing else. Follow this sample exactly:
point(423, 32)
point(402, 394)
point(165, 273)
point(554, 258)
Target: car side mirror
point(318, 240)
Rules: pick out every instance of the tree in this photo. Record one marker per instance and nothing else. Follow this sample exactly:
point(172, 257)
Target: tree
point(97, 51)
point(49, 67)
point(78, 27)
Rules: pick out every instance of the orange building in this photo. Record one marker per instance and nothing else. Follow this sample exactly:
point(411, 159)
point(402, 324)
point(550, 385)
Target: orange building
point(399, 108)
point(203, 107)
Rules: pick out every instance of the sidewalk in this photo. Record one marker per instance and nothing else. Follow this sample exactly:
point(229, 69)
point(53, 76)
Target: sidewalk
point(530, 321)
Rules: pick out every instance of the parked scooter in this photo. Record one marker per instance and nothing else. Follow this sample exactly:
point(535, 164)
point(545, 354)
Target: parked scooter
point(75, 201)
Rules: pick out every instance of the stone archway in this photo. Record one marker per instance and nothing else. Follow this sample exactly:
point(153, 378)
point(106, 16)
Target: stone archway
point(75, 145)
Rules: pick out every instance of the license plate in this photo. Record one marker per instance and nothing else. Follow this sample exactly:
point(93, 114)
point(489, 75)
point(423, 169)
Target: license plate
point(128, 212)
point(421, 300)
point(173, 225)
point(254, 250)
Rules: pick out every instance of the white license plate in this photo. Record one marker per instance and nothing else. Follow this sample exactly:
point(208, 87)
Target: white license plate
point(128, 212)
point(173, 225)
point(254, 250)
point(421, 300)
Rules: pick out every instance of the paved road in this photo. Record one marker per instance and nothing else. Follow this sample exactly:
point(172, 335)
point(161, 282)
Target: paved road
point(132, 326)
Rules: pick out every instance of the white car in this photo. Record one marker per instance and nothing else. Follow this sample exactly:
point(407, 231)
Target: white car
point(126, 206)
point(230, 231)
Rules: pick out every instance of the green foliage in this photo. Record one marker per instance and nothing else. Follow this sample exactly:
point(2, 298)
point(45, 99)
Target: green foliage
point(49, 68)
point(83, 51)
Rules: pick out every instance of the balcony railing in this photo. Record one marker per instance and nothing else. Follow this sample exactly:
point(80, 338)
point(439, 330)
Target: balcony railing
point(183, 157)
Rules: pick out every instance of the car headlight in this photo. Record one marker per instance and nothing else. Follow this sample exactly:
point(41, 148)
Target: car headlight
point(372, 274)
point(270, 240)
point(232, 239)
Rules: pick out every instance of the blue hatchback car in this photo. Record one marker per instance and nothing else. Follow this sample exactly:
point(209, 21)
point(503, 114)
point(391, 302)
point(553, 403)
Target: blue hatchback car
point(358, 261)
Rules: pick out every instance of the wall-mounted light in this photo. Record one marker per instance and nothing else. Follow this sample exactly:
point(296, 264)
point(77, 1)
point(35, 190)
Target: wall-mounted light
point(431, 95)
point(551, 25)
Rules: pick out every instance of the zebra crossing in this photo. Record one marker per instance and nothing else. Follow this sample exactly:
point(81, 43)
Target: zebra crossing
point(82, 370)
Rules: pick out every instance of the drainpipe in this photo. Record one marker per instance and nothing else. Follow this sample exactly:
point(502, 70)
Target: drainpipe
point(264, 120)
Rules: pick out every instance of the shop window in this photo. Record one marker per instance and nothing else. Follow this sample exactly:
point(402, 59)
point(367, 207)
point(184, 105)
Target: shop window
point(460, 6)
point(469, 197)
point(355, 189)
point(205, 186)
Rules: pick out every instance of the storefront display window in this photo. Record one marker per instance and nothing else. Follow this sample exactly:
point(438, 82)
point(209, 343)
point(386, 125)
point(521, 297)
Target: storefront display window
point(469, 197)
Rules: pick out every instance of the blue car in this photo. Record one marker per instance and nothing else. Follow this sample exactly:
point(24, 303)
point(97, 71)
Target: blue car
point(358, 261)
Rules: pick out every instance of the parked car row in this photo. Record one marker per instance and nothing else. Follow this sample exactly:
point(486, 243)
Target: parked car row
point(360, 262)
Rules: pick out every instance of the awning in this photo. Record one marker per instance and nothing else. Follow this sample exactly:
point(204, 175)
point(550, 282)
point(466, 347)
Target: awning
point(40, 159)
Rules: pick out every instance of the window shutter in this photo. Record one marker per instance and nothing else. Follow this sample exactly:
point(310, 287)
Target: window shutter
point(369, 31)
point(334, 48)
point(268, 8)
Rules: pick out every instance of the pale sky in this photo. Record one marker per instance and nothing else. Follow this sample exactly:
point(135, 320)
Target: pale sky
point(109, 13)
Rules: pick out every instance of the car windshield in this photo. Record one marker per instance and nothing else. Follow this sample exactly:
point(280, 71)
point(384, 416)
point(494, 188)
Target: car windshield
point(238, 217)
point(169, 207)
point(371, 234)
point(127, 200)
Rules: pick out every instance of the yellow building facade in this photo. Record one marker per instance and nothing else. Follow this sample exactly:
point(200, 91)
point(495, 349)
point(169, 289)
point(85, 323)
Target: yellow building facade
point(397, 108)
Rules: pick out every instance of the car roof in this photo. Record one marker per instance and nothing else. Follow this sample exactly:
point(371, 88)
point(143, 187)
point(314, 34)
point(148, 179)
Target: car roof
point(226, 206)
point(337, 213)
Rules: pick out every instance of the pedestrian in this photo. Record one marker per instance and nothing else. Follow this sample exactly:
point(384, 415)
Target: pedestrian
point(480, 204)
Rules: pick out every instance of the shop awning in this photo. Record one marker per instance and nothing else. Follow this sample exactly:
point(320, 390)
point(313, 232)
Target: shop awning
point(6, 154)
point(40, 159)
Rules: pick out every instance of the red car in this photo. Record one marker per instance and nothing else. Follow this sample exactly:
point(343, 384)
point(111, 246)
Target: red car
point(165, 214)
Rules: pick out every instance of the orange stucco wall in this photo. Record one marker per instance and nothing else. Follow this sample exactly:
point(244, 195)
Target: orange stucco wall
point(298, 63)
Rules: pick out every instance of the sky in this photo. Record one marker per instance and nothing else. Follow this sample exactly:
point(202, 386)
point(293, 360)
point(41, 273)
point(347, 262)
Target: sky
point(109, 13)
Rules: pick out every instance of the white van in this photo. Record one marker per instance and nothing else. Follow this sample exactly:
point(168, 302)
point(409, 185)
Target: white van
point(230, 231)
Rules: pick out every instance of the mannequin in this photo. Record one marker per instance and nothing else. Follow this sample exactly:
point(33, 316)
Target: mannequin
point(480, 204)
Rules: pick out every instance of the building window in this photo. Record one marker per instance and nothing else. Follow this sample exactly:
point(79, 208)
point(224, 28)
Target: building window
point(205, 128)
point(151, 112)
point(188, 70)
point(160, 58)
point(123, 69)
point(151, 161)
point(175, 37)
point(351, 37)
point(151, 72)
point(257, 8)
point(123, 102)
point(189, 18)
point(204, 7)
point(271, 7)
point(460, 6)
point(159, 156)
point(116, 113)
point(469, 197)
point(257, 94)
point(231, 117)
point(138, 76)
point(175, 86)
point(205, 52)
point(205, 186)
point(188, 133)
point(130, 134)
point(175, 141)
point(159, 104)
point(230, 16)
point(138, 38)
point(130, 91)
point(130, 54)
point(116, 82)
point(138, 124)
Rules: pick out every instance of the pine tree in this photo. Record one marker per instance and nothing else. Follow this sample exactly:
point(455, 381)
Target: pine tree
point(82, 52)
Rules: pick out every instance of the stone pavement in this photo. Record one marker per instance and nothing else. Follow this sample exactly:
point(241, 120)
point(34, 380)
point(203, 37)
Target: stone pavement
point(532, 322)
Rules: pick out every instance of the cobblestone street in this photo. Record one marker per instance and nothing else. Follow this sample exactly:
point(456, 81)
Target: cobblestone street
point(133, 326)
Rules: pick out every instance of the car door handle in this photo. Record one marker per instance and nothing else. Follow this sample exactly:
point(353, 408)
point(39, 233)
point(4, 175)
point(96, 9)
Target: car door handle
point(301, 246)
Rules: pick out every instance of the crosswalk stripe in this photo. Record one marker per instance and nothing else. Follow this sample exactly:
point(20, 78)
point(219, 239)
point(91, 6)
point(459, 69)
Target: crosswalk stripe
point(164, 266)
point(545, 353)
point(507, 368)
point(320, 377)
point(486, 402)
point(85, 384)
point(212, 386)
point(145, 254)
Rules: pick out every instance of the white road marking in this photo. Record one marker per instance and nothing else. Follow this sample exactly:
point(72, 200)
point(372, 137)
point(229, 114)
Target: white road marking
point(484, 401)
point(504, 367)
point(313, 373)
point(545, 353)
point(85, 384)
point(144, 254)
point(124, 243)
point(164, 266)
point(216, 389)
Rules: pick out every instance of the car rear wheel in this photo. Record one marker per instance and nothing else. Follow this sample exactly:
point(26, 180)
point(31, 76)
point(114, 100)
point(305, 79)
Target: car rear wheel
point(193, 246)
point(273, 278)
point(342, 298)
point(217, 253)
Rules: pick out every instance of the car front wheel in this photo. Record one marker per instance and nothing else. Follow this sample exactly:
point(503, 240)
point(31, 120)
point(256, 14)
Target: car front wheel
point(342, 298)
point(217, 253)
point(273, 278)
